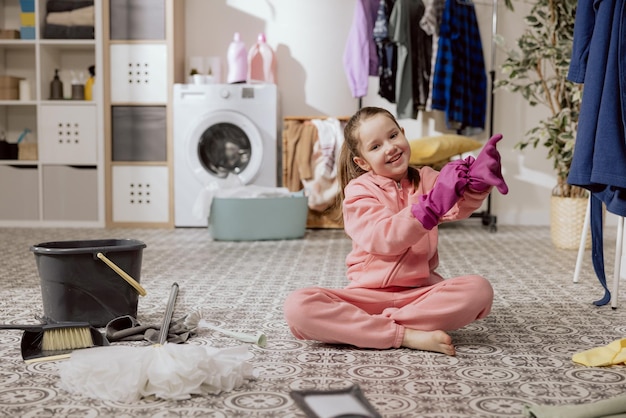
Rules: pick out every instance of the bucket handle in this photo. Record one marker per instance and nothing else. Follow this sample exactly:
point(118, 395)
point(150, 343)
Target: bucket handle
point(123, 274)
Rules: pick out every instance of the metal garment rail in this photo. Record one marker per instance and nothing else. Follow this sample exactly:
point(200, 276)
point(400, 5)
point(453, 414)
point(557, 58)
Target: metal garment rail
point(490, 220)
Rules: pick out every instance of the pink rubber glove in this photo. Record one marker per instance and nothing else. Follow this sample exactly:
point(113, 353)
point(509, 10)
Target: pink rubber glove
point(486, 170)
point(449, 188)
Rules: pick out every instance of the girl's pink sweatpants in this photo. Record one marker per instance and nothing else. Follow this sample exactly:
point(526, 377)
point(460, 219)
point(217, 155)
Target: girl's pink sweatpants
point(377, 318)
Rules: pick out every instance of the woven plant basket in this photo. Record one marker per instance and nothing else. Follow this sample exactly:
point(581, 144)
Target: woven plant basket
point(567, 218)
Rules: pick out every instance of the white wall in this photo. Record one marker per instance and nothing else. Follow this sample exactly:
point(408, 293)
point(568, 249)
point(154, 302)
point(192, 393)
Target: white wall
point(309, 37)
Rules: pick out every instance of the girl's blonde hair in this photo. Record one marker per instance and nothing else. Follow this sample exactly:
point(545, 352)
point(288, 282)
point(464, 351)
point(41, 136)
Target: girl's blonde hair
point(347, 169)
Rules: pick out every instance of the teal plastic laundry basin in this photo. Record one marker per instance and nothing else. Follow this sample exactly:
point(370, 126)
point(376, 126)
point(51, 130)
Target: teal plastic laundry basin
point(258, 218)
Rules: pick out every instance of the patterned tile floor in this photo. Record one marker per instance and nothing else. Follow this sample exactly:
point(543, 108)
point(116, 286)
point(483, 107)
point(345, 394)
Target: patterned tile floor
point(519, 355)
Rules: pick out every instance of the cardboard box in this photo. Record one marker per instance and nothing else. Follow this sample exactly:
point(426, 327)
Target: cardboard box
point(27, 151)
point(9, 87)
point(9, 82)
point(9, 94)
point(9, 34)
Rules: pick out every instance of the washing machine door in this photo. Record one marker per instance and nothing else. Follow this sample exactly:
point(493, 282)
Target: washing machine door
point(223, 143)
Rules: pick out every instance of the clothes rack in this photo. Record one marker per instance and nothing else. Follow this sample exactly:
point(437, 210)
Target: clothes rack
point(490, 220)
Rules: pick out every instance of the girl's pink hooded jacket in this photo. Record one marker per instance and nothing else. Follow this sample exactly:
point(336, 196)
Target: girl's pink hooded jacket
point(390, 247)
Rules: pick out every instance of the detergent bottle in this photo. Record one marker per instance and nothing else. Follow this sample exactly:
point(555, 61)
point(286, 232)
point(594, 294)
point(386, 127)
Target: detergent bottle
point(90, 82)
point(261, 62)
point(237, 63)
point(56, 87)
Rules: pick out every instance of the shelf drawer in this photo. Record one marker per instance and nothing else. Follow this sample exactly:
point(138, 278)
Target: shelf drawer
point(139, 133)
point(70, 193)
point(137, 19)
point(68, 135)
point(138, 73)
point(19, 192)
point(141, 194)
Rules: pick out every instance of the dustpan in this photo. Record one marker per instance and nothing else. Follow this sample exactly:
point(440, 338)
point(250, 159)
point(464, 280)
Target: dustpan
point(32, 351)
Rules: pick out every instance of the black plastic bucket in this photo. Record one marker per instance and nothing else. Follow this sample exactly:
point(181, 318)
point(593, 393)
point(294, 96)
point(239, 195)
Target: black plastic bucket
point(77, 286)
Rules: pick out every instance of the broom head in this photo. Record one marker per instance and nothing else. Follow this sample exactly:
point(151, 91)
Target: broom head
point(61, 336)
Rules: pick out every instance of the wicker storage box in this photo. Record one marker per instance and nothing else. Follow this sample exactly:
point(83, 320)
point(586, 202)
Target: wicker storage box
point(9, 87)
point(27, 151)
point(9, 34)
point(9, 94)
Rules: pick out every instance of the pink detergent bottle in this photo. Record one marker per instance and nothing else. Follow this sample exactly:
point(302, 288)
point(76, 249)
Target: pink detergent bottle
point(261, 62)
point(237, 61)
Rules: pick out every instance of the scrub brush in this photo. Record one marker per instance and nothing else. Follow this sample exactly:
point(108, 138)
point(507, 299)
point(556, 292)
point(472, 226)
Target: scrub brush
point(195, 321)
point(60, 335)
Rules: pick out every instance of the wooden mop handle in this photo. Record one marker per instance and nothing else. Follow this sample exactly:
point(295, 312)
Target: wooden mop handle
point(123, 274)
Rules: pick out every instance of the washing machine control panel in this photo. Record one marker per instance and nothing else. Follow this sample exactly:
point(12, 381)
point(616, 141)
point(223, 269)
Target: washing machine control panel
point(224, 93)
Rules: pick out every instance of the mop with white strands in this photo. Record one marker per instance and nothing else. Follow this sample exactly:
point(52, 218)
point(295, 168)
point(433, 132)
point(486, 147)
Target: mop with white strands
point(163, 370)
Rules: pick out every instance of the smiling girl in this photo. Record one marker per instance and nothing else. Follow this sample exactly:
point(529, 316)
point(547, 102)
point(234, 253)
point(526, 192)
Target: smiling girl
point(395, 297)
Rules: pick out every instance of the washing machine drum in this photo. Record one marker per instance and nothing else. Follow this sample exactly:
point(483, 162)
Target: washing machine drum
point(224, 143)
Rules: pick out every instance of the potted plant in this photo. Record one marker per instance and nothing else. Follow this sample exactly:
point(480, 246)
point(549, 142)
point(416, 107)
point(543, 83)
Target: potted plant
point(538, 69)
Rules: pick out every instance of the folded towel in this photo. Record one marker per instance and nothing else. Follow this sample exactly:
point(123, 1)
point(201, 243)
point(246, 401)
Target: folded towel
point(78, 17)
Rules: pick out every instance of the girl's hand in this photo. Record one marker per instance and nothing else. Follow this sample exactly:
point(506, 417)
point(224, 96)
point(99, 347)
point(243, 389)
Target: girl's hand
point(486, 170)
point(449, 187)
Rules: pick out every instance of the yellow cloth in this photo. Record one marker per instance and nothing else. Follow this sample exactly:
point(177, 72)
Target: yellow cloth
point(608, 355)
point(434, 149)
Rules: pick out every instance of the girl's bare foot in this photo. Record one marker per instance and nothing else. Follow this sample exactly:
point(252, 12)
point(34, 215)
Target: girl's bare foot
point(437, 341)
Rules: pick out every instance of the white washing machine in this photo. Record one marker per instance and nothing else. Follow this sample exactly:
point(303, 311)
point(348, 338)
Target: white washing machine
point(219, 130)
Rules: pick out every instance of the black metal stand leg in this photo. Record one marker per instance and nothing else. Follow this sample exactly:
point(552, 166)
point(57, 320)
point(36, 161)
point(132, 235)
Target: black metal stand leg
point(487, 218)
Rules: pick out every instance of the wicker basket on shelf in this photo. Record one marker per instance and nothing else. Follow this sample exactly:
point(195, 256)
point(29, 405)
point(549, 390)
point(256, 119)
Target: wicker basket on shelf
point(27, 151)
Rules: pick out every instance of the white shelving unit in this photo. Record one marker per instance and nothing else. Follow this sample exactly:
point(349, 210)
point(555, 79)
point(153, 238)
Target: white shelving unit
point(65, 185)
point(144, 57)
